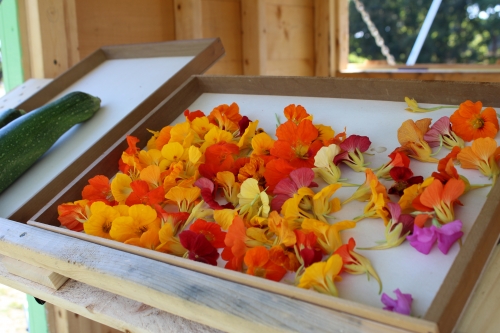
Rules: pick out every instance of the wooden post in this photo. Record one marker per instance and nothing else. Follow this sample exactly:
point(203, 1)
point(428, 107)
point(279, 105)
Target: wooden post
point(339, 36)
point(47, 37)
point(188, 19)
point(321, 37)
point(253, 21)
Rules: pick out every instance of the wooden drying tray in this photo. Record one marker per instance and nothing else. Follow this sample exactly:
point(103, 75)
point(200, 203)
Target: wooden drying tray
point(205, 53)
point(448, 304)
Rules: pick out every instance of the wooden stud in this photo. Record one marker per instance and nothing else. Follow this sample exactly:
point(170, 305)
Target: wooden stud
point(112, 22)
point(71, 26)
point(290, 37)
point(47, 37)
point(321, 37)
point(254, 37)
point(188, 19)
point(222, 18)
point(36, 274)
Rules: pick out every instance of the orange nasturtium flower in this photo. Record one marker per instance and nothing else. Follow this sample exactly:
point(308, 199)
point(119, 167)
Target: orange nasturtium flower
point(296, 113)
point(297, 143)
point(355, 263)
point(226, 116)
point(411, 137)
point(259, 264)
point(72, 215)
point(101, 220)
point(184, 197)
point(482, 156)
point(98, 189)
point(410, 193)
point(470, 123)
point(440, 199)
point(321, 276)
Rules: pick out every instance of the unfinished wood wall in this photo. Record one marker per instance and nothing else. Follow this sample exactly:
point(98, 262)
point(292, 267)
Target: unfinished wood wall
point(261, 37)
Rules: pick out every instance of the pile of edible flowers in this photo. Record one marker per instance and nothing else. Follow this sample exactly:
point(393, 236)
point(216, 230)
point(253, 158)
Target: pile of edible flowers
point(219, 190)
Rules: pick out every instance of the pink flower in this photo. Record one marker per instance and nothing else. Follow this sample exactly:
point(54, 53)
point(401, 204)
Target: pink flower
point(424, 238)
point(287, 187)
point(352, 152)
point(441, 131)
point(402, 303)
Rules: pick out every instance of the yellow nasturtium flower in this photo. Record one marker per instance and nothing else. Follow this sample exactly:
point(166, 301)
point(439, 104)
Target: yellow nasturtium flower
point(321, 276)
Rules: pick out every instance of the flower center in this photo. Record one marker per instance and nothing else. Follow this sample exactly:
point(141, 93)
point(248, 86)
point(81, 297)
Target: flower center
point(260, 272)
point(478, 122)
point(106, 227)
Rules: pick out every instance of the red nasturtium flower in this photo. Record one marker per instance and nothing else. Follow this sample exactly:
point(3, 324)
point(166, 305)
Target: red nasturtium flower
point(219, 157)
point(470, 123)
point(211, 230)
point(308, 248)
point(199, 248)
point(276, 170)
point(141, 194)
point(403, 178)
point(259, 264)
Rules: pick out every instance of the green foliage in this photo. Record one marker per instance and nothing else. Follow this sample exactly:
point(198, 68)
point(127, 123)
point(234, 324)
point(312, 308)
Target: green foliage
point(463, 31)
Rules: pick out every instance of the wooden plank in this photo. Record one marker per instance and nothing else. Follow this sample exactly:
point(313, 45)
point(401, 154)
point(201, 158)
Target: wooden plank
point(47, 37)
point(114, 22)
point(254, 44)
point(481, 313)
point(434, 92)
point(202, 298)
point(366, 312)
point(290, 38)
point(469, 77)
point(342, 34)
point(228, 30)
point(36, 274)
point(321, 37)
point(112, 310)
point(71, 25)
point(188, 19)
point(467, 267)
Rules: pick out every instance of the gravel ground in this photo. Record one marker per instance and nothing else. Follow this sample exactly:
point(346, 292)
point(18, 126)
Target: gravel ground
point(12, 314)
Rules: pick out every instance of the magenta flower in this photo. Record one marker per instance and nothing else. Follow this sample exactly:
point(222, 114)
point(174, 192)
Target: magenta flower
point(287, 187)
point(448, 234)
point(352, 152)
point(424, 238)
point(402, 303)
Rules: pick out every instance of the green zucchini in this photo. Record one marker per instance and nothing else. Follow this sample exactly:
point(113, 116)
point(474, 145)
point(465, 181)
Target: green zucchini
point(9, 115)
point(27, 138)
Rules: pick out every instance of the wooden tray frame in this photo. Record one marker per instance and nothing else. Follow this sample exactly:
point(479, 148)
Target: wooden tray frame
point(206, 52)
point(459, 283)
